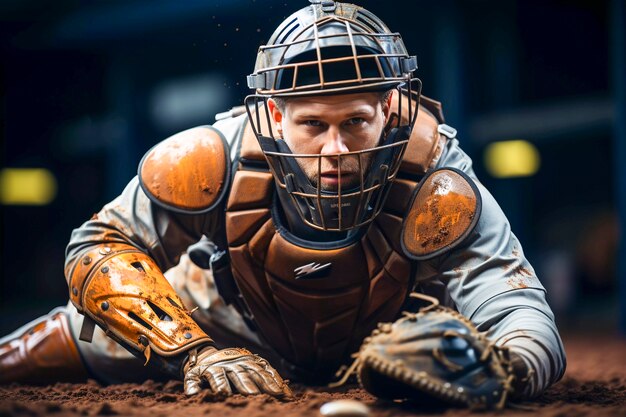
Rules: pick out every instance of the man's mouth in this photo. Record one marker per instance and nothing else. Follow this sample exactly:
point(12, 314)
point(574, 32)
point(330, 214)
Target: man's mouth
point(332, 179)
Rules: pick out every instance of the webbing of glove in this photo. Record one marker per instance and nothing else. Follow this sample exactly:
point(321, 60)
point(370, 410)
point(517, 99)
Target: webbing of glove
point(435, 357)
point(124, 292)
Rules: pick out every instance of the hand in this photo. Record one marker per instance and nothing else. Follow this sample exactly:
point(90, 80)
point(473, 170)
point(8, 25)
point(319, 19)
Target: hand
point(232, 368)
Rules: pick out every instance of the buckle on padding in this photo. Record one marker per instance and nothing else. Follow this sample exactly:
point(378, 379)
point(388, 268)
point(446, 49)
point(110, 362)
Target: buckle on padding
point(327, 5)
point(447, 131)
point(408, 64)
point(256, 81)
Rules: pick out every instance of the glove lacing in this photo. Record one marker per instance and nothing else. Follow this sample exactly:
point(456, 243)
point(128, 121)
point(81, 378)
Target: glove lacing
point(348, 371)
point(496, 355)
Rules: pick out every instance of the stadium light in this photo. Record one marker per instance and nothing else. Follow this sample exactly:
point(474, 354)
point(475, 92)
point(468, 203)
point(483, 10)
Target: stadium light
point(27, 186)
point(511, 159)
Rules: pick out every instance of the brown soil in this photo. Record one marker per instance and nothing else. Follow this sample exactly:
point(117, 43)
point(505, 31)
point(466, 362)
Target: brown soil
point(594, 385)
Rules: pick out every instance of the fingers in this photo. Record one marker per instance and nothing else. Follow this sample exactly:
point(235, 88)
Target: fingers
point(286, 391)
point(280, 390)
point(218, 381)
point(263, 379)
point(192, 383)
point(267, 379)
point(242, 381)
point(248, 374)
point(215, 376)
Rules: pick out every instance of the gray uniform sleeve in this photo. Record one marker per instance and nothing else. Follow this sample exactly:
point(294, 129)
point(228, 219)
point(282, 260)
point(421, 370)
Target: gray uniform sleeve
point(133, 219)
point(489, 280)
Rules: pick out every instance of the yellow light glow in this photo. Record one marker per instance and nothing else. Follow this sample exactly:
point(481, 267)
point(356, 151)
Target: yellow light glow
point(27, 186)
point(513, 158)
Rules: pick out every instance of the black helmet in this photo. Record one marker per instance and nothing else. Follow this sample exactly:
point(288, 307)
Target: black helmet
point(334, 48)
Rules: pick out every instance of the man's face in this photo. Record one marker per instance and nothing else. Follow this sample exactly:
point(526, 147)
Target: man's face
point(331, 125)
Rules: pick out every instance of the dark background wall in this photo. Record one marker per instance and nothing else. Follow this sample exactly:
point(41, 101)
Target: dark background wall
point(87, 87)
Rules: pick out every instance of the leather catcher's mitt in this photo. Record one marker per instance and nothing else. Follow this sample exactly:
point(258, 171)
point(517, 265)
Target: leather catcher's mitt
point(435, 357)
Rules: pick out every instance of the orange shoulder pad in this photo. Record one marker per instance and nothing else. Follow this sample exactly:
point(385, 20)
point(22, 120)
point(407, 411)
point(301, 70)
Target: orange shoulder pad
point(444, 210)
point(188, 172)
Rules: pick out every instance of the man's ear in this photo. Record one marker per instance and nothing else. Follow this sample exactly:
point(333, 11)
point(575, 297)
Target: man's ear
point(387, 105)
point(277, 115)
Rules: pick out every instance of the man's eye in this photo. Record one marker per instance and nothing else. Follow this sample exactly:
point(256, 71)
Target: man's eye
point(312, 123)
point(355, 121)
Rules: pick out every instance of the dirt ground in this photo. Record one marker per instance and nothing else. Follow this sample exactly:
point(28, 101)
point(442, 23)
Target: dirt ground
point(594, 385)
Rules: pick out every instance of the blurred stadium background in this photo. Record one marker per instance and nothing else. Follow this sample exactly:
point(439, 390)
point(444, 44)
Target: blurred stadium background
point(536, 89)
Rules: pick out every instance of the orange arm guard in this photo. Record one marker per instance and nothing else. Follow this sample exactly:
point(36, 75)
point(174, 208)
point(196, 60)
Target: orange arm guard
point(125, 293)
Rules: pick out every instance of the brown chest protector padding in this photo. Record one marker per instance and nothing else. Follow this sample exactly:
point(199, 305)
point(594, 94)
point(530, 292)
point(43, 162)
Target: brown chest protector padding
point(313, 322)
point(316, 320)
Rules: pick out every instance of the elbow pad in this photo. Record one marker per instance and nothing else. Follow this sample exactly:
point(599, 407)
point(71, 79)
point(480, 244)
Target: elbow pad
point(125, 293)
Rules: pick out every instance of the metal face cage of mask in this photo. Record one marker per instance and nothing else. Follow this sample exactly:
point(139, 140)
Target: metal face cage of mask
point(323, 50)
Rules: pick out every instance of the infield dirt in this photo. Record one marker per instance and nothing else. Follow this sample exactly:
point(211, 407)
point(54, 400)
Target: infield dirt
point(594, 385)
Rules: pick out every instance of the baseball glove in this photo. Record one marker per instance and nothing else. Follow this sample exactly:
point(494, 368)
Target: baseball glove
point(434, 357)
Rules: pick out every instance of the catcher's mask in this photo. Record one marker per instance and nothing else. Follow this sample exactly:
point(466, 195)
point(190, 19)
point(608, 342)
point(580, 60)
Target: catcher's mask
point(334, 48)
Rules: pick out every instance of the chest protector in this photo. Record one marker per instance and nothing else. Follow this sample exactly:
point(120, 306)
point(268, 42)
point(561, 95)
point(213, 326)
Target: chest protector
point(314, 304)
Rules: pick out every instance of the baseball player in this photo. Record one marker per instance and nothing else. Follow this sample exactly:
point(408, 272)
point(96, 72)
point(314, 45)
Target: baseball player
point(297, 230)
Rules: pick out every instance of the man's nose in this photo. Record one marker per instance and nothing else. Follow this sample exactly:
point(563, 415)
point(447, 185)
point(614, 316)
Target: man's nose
point(334, 142)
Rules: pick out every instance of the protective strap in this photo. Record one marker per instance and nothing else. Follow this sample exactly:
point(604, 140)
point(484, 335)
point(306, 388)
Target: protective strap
point(426, 141)
point(227, 355)
point(87, 329)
